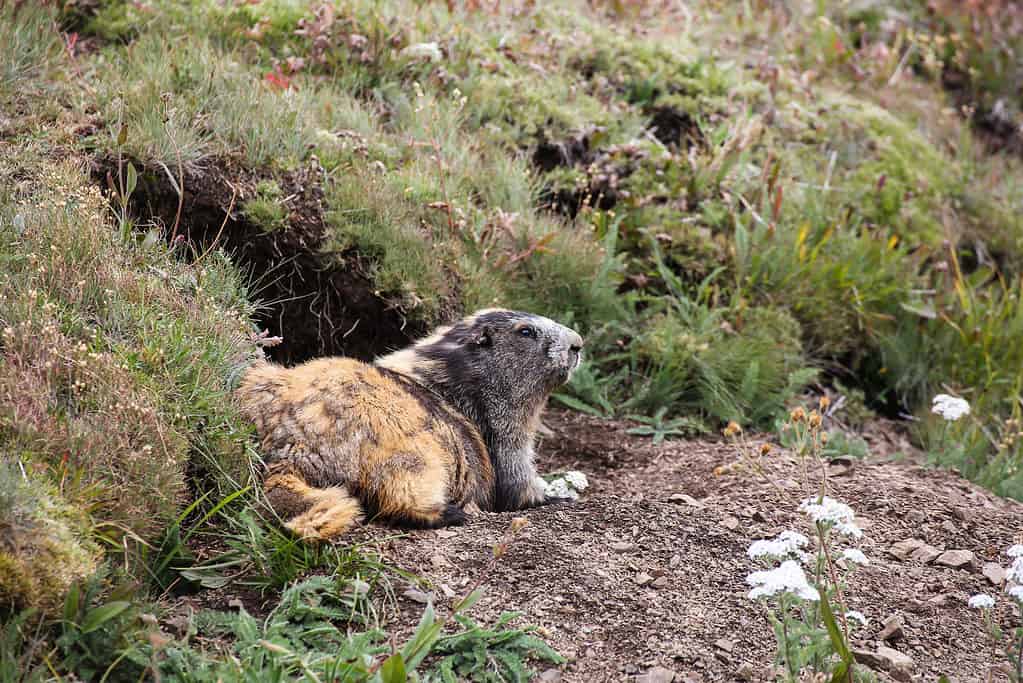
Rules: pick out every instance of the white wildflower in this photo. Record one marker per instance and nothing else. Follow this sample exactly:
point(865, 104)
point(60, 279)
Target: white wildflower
point(858, 616)
point(828, 510)
point(1015, 551)
point(849, 529)
point(981, 601)
point(559, 488)
point(786, 543)
point(788, 578)
point(1015, 571)
point(855, 555)
point(1016, 592)
point(576, 480)
point(950, 407)
point(429, 51)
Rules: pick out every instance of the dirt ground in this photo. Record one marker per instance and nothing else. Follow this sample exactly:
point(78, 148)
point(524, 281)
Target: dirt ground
point(647, 569)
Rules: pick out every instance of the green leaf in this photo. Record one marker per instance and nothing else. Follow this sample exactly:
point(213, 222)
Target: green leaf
point(122, 135)
point(844, 669)
point(469, 600)
point(133, 179)
point(100, 615)
point(393, 670)
point(71, 603)
point(921, 309)
point(576, 404)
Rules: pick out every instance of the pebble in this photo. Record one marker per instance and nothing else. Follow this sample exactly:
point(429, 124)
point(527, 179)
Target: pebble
point(725, 644)
point(657, 674)
point(684, 498)
point(643, 579)
point(903, 549)
point(730, 523)
point(622, 546)
point(925, 554)
point(417, 596)
point(957, 559)
point(994, 573)
point(899, 665)
point(892, 630)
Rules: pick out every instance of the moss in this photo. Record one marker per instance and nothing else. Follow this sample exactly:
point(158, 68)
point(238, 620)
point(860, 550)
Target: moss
point(44, 543)
point(267, 209)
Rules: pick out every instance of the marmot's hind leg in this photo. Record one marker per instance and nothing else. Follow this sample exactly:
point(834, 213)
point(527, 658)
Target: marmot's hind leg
point(315, 514)
point(411, 491)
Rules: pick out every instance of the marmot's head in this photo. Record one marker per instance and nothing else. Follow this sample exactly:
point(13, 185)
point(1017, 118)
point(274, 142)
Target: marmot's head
point(521, 344)
point(520, 354)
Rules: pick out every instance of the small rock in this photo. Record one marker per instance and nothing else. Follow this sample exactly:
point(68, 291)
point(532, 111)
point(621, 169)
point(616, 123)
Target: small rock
point(903, 549)
point(684, 498)
point(949, 527)
point(892, 630)
point(658, 674)
point(660, 582)
point(447, 591)
point(551, 676)
point(417, 596)
point(725, 644)
point(622, 546)
point(675, 561)
point(994, 573)
point(745, 672)
point(962, 514)
point(899, 665)
point(916, 516)
point(925, 554)
point(957, 559)
point(730, 523)
point(643, 579)
point(446, 533)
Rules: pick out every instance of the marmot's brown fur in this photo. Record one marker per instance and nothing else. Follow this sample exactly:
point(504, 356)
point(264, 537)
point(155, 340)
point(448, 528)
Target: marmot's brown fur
point(417, 436)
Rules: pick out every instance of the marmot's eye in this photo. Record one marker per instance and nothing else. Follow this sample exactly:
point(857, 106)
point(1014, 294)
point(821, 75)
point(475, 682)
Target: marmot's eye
point(528, 332)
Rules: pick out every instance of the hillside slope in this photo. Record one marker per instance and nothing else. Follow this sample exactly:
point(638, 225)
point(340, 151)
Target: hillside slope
point(743, 207)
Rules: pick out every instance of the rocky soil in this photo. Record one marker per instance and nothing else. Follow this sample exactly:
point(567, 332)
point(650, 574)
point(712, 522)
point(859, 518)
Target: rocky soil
point(643, 577)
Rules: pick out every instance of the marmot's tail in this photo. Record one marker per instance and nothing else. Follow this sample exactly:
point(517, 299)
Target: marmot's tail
point(312, 513)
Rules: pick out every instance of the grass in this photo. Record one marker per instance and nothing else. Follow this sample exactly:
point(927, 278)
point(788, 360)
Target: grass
point(731, 202)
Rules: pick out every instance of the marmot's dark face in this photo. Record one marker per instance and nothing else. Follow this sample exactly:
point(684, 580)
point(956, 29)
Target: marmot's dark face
point(525, 348)
point(494, 356)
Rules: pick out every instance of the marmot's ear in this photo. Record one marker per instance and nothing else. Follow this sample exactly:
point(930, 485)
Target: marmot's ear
point(483, 336)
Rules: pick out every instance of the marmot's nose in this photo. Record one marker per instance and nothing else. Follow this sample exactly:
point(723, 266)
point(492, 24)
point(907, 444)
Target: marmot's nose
point(575, 342)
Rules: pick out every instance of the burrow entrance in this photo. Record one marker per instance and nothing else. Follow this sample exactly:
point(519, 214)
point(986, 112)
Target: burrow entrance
point(320, 303)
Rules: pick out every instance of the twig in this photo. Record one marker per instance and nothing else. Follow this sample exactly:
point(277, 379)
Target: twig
point(227, 216)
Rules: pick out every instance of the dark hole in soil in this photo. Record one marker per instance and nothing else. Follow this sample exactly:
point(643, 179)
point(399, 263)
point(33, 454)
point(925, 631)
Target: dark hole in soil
point(319, 304)
point(674, 128)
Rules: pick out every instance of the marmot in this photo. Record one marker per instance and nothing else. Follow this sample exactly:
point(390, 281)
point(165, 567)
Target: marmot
point(419, 434)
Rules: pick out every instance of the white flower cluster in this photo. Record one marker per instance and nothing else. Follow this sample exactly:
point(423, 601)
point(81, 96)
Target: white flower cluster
point(1013, 581)
point(567, 485)
point(855, 555)
point(949, 407)
point(831, 513)
point(858, 616)
point(786, 543)
point(981, 601)
point(787, 578)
